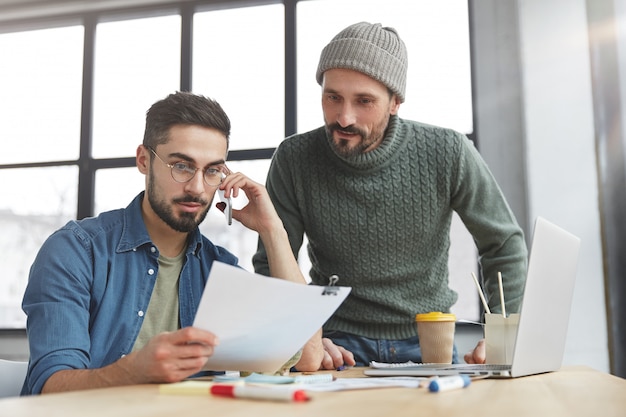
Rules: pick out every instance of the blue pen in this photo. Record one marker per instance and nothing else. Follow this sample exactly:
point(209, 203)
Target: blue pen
point(447, 383)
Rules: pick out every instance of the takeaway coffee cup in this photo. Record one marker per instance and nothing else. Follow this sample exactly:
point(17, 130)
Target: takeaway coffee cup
point(500, 334)
point(436, 335)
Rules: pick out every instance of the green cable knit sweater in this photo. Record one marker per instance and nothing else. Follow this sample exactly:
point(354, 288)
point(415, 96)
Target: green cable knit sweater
point(381, 222)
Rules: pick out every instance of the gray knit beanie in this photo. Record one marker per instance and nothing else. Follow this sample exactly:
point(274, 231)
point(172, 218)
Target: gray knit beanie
point(369, 48)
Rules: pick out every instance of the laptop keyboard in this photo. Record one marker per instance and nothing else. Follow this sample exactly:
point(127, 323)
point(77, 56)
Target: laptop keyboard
point(483, 367)
point(464, 366)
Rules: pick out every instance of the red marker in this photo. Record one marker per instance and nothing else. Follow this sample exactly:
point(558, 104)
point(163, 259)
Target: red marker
point(259, 393)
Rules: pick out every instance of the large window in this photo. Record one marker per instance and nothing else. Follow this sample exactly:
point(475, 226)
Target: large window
point(436, 35)
point(136, 63)
point(40, 100)
point(73, 101)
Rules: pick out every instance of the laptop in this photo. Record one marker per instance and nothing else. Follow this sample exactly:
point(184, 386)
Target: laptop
point(544, 314)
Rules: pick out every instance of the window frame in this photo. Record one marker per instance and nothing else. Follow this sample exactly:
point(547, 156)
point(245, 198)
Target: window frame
point(89, 19)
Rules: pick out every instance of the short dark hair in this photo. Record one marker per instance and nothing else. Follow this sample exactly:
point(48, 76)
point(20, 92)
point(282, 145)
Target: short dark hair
point(183, 108)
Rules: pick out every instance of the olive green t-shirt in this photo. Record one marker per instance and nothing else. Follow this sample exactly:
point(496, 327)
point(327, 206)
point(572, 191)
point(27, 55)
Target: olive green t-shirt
point(163, 311)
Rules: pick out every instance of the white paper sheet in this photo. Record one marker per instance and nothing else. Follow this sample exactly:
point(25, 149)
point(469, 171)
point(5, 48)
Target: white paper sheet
point(261, 322)
point(344, 384)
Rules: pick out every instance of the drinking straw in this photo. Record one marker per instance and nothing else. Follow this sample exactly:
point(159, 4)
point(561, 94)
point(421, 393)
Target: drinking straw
point(480, 293)
point(501, 295)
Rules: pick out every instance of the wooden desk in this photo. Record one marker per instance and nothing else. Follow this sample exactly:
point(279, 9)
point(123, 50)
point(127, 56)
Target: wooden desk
point(574, 391)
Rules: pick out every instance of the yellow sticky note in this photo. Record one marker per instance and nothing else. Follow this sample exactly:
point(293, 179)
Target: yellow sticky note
point(186, 388)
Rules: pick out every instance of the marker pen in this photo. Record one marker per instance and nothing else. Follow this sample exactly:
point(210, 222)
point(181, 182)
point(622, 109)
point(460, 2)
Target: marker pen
point(447, 383)
point(259, 393)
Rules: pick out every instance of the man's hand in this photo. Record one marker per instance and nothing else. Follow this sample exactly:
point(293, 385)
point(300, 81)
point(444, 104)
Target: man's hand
point(167, 357)
point(171, 357)
point(336, 356)
point(477, 355)
point(259, 214)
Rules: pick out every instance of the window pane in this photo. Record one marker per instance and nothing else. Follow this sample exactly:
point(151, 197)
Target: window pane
point(462, 262)
point(115, 188)
point(137, 63)
point(239, 61)
point(436, 35)
point(40, 86)
point(26, 220)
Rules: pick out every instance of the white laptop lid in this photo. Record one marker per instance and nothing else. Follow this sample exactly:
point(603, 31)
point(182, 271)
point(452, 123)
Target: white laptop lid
point(547, 301)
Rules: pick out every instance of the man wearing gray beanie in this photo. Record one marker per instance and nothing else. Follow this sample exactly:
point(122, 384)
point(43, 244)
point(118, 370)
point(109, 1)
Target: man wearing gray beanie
point(374, 194)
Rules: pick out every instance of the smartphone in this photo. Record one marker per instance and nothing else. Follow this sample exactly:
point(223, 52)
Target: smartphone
point(228, 210)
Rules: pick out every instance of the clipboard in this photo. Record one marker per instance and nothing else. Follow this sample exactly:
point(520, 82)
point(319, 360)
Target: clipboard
point(261, 322)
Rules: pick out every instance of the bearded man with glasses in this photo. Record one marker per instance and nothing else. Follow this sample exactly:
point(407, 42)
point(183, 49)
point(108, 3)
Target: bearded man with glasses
point(111, 299)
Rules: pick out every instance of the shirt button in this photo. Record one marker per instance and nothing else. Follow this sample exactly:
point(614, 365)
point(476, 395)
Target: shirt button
point(150, 271)
point(140, 314)
point(153, 249)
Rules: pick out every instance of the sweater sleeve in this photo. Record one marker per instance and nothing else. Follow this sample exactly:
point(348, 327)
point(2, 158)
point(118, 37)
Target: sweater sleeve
point(482, 206)
point(56, 302)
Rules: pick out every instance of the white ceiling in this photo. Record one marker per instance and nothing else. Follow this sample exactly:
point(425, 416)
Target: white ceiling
point(12, 10)
point(17, 15)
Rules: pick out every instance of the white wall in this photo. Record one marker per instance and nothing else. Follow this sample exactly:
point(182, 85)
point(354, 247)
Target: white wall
point(620, 27)
point(560, 155)
point(533, 85)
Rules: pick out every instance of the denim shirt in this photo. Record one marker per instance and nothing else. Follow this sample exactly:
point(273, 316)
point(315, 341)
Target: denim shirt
point(89, 288)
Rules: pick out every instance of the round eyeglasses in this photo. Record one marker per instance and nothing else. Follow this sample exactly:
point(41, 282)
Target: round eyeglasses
point(184, 171)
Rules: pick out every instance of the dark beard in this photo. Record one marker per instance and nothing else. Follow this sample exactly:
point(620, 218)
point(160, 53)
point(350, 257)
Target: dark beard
point(342, 147)
point(187, 221)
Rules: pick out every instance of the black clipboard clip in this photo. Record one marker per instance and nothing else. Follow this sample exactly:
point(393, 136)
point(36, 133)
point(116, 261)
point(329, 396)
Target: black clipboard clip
point(331, 289)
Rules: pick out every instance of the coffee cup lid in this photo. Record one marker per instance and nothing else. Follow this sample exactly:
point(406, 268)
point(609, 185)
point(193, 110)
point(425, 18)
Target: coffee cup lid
point(435, 316)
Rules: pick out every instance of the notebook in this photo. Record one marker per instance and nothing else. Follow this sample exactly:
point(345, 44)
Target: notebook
point(544, 313)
